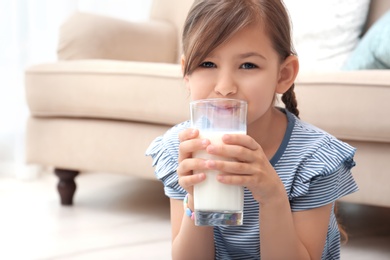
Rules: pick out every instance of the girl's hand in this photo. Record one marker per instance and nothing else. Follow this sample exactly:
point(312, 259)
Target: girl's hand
point(251, 169)
point(189, 143)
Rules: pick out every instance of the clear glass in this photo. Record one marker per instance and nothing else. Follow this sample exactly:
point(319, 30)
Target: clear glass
point(216, 203)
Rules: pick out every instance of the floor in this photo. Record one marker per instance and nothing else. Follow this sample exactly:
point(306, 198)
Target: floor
point(119, 217)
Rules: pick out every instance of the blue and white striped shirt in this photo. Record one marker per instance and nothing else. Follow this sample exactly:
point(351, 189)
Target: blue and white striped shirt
point(313, 166)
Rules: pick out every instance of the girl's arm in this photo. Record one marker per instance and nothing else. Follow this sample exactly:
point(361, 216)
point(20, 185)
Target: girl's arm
point(283, 234)
point(297, 235)
point(188, 240)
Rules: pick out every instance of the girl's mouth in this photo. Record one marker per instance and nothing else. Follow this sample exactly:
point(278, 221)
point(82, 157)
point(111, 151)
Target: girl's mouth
point(225, 108)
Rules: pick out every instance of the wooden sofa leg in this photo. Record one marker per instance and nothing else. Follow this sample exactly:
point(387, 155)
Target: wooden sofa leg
point(66, 185)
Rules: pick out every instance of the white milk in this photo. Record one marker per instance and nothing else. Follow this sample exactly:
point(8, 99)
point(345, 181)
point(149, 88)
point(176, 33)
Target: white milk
point(212, 195)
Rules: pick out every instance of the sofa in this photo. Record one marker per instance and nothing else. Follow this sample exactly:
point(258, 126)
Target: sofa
point(117, 85)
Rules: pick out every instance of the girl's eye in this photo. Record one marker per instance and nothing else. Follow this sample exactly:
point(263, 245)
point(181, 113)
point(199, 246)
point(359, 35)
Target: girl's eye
point(207, 64)
point(248, 65)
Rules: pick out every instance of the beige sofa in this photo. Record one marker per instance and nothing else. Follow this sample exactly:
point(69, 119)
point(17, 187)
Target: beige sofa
point(117, 85)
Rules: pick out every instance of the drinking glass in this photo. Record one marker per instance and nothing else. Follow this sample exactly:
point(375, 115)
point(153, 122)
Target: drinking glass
point(215, 203)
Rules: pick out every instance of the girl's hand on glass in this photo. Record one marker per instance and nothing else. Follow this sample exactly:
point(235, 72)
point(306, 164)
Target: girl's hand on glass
point(250, 169)
point(189, 143)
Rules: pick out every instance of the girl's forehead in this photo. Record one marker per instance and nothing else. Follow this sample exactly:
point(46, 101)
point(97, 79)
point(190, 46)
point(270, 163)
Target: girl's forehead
point(250, 39)
point(252, 31)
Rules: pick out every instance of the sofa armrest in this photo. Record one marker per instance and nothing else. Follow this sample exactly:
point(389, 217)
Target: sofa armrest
point(352, 105)
point(91, 36)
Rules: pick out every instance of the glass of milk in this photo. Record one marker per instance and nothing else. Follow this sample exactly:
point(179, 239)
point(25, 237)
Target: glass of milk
point(215, 203)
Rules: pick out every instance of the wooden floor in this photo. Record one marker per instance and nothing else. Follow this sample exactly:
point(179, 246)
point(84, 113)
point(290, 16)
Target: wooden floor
point(119, 217)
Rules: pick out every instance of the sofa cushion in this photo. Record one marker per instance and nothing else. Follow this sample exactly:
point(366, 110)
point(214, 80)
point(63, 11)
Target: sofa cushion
point(373, 52)
point(352, 105)
point(325, 32)
point(105, 89)
point(92, 36)
point(72, 143)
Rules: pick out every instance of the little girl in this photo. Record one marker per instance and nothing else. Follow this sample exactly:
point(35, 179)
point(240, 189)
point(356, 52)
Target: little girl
point(292, 171)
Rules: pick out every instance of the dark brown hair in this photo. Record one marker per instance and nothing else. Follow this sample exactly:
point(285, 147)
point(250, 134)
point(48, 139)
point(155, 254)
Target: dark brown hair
point(212, 22)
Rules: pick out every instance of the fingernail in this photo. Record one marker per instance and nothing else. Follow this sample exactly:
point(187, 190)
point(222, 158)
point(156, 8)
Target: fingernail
point(220, 178)
point(201, 176)
point(205, 142)
point(211, 163)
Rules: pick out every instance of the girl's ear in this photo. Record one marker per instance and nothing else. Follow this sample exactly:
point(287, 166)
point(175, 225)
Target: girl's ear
point(287, 74)
point(182, 61)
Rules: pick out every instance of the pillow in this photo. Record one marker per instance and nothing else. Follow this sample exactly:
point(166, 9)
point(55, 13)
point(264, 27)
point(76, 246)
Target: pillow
point(325, 32)
point(373, 52)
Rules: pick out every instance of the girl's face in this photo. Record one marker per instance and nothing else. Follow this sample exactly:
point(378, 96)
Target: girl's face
point(246, 67)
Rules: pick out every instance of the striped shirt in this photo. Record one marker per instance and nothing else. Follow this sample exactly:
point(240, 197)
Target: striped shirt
point(313, 165)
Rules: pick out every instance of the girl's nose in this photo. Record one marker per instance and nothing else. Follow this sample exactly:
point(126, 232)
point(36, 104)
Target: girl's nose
point(226, 86)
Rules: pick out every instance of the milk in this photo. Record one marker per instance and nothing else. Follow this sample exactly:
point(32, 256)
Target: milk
point(212, 195)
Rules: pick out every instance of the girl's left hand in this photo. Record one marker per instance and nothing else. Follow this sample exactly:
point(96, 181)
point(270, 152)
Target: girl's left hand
point(251, 167)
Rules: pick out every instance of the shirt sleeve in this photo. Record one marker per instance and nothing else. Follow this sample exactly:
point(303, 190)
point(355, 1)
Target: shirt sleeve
point(164, 152)
point(324, 177)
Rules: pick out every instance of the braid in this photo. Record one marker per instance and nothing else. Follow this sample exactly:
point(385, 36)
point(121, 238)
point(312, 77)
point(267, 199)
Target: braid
point(290, 101)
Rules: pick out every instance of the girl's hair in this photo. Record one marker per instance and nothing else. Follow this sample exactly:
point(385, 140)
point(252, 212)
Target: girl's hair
point(212, 22)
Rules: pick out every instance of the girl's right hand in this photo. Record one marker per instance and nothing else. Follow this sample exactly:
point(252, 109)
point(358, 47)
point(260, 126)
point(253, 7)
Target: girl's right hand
point(189, 143)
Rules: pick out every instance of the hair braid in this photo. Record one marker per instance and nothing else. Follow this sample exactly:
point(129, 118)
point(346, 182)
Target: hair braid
point(290, 101)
